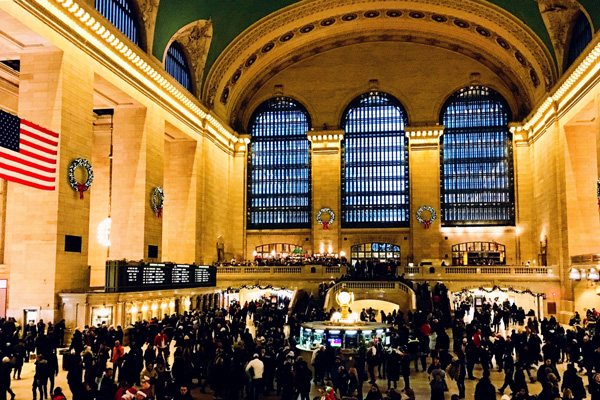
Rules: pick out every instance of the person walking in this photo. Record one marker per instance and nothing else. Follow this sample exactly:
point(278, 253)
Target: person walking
point(255, 369)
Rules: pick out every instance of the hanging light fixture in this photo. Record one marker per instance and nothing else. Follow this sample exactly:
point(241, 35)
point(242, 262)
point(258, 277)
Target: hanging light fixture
point(593, 275)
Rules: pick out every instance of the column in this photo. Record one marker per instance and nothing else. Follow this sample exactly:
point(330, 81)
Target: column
point(55, 92)
point(138, 146)
point(424, 167)
point(180, 218)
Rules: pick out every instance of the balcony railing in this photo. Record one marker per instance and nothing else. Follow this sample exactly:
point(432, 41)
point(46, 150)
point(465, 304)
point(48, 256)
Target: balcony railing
point(504, 270)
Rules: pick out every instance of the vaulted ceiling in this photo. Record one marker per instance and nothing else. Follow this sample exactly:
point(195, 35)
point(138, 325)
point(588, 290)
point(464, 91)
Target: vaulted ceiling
point(231, 17)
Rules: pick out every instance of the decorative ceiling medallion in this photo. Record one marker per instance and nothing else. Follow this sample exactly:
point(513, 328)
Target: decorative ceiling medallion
point(236, 76)
point(534, 77)
point(250, 60)
point(416, 15)
point(268, 47)
point(349, 17)
point(483, 32)
point(393, 13)
point(328, 22)
point(461, 24)
point(372, 14)
point(286, 37)
point(503, 43)
point(307, 28)
point(439, 18)
point(225, 95)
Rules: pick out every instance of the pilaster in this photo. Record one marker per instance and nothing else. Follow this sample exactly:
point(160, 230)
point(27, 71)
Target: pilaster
point(326, 184)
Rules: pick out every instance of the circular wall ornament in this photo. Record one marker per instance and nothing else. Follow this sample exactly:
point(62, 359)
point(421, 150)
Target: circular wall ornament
point(426, 222)
point(75, 185)
point(158, 201)
point(331, 217)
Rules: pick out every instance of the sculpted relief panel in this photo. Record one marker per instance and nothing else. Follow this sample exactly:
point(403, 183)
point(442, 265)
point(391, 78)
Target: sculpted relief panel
point(558, 16)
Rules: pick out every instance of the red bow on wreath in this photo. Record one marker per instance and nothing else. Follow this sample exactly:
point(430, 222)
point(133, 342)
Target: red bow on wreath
point(426, 223)
point(159, 212)
point(81, 187)
point(325, 225)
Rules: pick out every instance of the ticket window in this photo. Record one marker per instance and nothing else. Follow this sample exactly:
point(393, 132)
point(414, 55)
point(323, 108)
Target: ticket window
point(351, 340)
point(334, 337)
point(305, 337)
point(318, 338)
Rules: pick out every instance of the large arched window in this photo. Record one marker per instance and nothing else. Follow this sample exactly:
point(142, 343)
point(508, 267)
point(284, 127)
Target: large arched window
point(476, 159)
point(122, 15)
point(581, 36)
point(375, 163)
point(177, 66)
point(279, 166)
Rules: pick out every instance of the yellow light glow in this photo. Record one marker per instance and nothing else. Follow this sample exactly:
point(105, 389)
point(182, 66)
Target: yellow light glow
point(103, 232)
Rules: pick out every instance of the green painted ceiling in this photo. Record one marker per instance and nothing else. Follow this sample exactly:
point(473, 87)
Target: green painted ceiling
point(231, 17)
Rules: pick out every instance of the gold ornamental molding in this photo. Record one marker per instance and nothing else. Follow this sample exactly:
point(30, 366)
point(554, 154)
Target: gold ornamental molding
point(92, 33)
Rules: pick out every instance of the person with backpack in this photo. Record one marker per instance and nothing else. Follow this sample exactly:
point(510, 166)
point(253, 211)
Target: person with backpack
point(457, 371)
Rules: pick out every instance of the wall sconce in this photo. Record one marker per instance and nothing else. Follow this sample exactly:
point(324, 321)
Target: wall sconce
point(593, 275)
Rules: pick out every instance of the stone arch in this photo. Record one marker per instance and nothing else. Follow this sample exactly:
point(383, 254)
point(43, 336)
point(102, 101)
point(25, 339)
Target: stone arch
point(194, 38)
point(283, 38)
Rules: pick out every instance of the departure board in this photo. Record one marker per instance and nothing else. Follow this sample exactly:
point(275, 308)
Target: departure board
point(124, 276)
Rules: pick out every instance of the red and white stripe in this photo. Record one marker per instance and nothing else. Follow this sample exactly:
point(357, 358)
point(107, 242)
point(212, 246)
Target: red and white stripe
point(35, 164)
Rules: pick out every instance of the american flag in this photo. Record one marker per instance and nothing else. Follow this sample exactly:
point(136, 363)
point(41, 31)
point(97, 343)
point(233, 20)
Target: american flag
point(28, 152)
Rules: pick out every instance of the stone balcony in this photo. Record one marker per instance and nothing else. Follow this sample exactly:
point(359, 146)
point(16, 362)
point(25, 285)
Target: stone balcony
point(470, 273)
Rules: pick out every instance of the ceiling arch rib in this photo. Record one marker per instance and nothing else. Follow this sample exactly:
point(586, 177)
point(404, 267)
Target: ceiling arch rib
point(486, 33)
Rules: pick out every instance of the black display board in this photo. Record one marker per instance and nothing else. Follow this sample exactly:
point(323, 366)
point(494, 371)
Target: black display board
point(130, 276)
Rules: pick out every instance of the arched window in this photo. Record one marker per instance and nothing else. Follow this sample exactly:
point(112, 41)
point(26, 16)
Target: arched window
point(279, 173)
point(122, 15)
point(476, 159)
point(375, 163)
point(177, 66)
point(581, 36)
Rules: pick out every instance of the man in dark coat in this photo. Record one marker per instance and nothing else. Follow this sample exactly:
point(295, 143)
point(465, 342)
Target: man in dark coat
point(574, 382)
point(484, 390)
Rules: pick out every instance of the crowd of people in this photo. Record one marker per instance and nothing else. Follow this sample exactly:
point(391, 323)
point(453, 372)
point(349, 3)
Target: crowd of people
point(245, 352)
point(290, 260)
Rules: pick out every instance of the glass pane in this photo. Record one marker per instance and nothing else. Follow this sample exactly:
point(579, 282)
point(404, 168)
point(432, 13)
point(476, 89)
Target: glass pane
point(476, 167)
point(279, 174)
point(374, 163)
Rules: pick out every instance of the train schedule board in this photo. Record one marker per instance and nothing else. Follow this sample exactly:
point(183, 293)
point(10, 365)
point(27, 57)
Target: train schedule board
point(130, 276)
